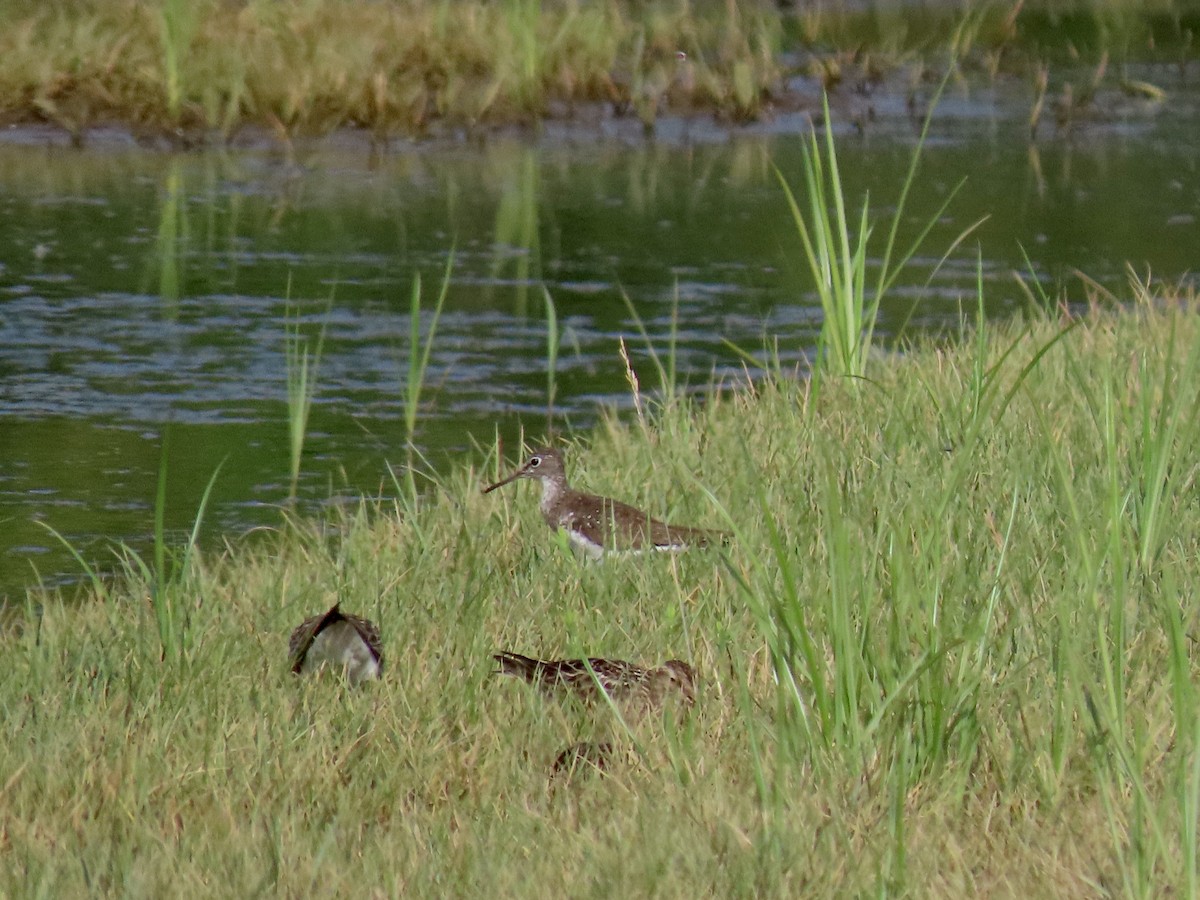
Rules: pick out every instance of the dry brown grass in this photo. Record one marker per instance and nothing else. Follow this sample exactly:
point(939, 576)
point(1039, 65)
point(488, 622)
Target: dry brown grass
point(200, 71)
point(392, 68)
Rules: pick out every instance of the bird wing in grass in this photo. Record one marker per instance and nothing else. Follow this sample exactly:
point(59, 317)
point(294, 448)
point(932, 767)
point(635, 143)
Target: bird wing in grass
point(624, 682)
point(350, 641)
point(613, 525)
point(572, 674)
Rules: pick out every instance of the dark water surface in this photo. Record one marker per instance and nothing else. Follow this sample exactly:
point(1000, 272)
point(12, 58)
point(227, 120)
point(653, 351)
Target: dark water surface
point(143, 293)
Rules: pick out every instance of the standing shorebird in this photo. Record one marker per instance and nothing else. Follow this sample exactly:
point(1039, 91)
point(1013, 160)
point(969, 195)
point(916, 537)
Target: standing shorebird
point(340, 640)
point(634, 689)
point(597, 525)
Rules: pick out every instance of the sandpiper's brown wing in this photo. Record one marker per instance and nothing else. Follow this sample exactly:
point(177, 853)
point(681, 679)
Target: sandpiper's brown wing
point(369, 632)
point(607, 523)
point(547, 673)
point(614, 675)
point(303, 635)
point(518, 666)
point(617, 677)
point(627, 683)
point(614, 525)
point(677, 537)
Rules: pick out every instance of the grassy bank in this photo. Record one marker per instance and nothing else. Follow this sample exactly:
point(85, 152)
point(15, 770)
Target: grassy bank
point(951, 651)
point(202, 70)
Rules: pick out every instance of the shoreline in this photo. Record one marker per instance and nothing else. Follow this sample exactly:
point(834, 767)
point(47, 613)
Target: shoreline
point(222, 74)
point(887, 109)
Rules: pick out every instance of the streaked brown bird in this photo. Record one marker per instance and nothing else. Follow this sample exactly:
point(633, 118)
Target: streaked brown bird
point(599, 525)
point(339, 640)
point(631, 687)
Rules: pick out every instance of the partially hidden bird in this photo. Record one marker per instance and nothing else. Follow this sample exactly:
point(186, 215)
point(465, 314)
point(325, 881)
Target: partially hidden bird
point(341, 641)
point(632, 688)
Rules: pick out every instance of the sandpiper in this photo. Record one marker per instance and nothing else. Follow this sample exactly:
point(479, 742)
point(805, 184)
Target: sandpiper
point(633, 688)
point(340, 640)
point(598, 525)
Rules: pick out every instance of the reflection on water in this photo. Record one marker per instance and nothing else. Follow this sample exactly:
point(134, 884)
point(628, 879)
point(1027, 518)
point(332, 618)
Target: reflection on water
point(141, 291)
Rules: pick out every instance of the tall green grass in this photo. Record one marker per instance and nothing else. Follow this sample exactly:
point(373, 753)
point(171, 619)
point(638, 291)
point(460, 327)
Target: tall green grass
point(302, 357)
point(553, 340)
point(418, 365)
point(172, 571)
point(665, 363)
point(171, 239)
point(524, 21)
point(837, 250)
point(518, 254)
point(178, 20)
point(166, 579)
point(949, 652)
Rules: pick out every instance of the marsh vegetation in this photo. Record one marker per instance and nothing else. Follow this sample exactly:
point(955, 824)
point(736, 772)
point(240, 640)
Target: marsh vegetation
point(204, 71)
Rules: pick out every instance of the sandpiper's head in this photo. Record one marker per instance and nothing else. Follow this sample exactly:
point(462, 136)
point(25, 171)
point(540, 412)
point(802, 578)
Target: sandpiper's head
point(677, 675)
point(545, 464)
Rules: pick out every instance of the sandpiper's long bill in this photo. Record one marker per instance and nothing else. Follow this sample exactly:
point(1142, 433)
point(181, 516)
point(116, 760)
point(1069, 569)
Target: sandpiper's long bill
point(598, 525)
point(344, 642)
point(635, 688)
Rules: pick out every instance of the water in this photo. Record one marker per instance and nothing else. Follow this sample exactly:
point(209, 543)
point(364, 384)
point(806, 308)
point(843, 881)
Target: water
point(145, 294)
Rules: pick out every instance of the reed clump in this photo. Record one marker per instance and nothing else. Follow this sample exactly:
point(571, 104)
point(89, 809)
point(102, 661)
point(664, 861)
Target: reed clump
point(204, 70)
point(949, 651)
point(392, 68)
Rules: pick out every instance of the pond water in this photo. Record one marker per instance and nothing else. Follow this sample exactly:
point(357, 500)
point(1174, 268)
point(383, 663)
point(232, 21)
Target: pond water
point(145, 294)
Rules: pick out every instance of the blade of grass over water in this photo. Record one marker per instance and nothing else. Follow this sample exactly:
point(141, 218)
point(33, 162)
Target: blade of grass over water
point(836, 250)
point(172, 572)
point(518, 233)
point(552, 342)
point(190, 548)
point(418, 351)
point(418, 362)
point(667, 384)
point(160, 596)
point(171, 238)
point(94, 580)
point(302, 368)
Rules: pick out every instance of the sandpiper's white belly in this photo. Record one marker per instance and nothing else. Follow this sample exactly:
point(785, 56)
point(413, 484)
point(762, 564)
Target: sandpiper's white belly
point(589, 548)
point(595, 551)
point(342, 647)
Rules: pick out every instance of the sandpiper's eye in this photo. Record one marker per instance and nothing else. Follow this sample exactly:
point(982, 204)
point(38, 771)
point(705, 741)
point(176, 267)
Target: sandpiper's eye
point(534, 462)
